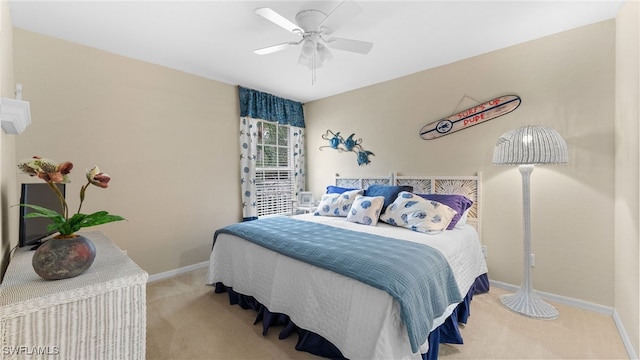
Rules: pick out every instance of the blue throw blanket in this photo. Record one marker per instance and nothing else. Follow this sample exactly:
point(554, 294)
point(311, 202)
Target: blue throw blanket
point(416, 275)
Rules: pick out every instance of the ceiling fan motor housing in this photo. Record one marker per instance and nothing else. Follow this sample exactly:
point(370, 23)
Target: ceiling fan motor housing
point(310, 20)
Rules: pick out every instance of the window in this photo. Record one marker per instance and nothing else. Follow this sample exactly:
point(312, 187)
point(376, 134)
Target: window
point(274, 169)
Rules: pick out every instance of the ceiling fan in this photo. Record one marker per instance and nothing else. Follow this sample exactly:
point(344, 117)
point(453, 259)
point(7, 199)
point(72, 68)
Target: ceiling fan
point(314, 28)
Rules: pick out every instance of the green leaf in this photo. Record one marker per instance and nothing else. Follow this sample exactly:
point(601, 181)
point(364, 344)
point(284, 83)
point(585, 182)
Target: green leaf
point(58, 223)
point(75, 223)
point(41, 212)
point(57, 227)
point(79, 221)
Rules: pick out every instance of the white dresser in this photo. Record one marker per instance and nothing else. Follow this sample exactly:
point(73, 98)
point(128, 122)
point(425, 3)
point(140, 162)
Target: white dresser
point(100, 314)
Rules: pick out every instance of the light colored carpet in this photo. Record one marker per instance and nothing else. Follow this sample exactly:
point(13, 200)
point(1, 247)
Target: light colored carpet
point(186, 320)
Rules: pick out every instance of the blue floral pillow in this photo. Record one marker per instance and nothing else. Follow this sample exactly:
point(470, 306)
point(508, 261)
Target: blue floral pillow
point(331, 189)
point(418, 214)
point(337, 204)
point(366, 210)
point(390, 192)
point(459, 203)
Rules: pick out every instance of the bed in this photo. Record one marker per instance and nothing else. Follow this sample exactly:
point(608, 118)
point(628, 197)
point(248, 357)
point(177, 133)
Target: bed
point(313, 273)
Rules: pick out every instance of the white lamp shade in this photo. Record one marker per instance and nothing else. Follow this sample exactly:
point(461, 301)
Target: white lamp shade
point(308, 48)
point(530, 145)
point(314, 54)
point(324, 53)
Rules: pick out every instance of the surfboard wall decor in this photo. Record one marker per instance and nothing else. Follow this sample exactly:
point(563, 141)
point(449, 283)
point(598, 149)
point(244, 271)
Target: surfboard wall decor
point(470, 117)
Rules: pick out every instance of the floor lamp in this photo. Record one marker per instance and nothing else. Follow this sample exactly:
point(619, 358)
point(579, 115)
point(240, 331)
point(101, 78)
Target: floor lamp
point(528, 146)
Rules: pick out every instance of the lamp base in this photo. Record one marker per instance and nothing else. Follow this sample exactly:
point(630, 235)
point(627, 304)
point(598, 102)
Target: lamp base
point(529, 304)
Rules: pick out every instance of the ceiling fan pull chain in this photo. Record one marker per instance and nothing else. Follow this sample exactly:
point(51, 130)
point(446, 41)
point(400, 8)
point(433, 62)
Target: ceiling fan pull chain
point(313, 70)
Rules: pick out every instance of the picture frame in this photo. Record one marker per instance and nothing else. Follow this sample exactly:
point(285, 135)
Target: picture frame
point(305, 199)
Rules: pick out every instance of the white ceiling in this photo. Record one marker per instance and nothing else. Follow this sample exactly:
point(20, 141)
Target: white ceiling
point(216, 39)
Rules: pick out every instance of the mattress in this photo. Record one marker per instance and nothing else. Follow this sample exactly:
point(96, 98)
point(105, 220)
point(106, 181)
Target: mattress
point(360, 320)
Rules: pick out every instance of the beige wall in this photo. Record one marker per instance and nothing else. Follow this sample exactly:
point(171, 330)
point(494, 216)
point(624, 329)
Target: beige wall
point(8, 197)
point(627, 174)
point(168, 139)
point(564, 83)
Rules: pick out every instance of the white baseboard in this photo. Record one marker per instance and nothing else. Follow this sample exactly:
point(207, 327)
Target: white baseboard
point(624, 336)
point(585, 305)
point(176, 272)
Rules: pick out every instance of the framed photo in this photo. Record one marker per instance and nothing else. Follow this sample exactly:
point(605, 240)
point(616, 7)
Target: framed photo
point(306, 199)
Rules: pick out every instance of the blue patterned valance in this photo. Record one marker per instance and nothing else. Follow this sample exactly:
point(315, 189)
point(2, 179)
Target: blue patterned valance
point(259, 105)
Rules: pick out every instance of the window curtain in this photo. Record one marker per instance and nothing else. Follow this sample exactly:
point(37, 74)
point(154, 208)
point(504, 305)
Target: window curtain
point(256, 105)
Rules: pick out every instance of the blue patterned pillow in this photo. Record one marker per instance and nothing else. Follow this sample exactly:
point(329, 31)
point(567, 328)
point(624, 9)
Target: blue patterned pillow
point(337, 204)
point(390, 192)
point(418, 214)
point(332, 189)
point(459, 203)
point(366, 210)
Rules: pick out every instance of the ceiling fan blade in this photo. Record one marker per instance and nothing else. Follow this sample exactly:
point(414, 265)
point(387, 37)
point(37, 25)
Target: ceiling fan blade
point(278, 19)
point(274, 48)
point(339, 16)
point(357, 46)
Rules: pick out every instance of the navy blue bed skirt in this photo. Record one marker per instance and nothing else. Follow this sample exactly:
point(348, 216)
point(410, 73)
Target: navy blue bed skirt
point(315, 344)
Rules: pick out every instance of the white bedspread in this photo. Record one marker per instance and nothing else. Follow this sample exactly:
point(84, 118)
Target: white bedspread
point(360, 320)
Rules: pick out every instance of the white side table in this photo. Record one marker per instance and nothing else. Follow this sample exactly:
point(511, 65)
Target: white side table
point(100, 314)
point(305, 209)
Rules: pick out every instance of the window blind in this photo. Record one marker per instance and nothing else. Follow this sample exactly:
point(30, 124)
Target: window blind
point(274, 170)
point(274, 191)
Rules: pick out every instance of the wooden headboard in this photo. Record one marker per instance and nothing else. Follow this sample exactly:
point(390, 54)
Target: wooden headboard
point(469, 186)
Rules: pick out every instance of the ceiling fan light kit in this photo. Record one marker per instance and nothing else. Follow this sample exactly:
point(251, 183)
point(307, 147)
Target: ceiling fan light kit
point(312, 26)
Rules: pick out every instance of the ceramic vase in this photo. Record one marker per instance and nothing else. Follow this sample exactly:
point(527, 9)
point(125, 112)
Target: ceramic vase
point(59, 259)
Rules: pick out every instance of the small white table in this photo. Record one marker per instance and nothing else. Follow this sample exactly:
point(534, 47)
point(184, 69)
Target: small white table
point(304, 210)
point(100, 314)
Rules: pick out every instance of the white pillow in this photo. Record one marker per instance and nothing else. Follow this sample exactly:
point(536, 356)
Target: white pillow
point(337, 204)
point(418, 214)
point(463, 219)
point(366, 210)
